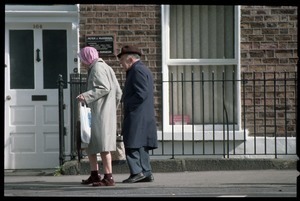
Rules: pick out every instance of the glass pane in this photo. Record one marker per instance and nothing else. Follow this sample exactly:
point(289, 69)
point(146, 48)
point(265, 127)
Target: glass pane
point(197, 94)
point(21, 59)
point(198, 31)
point(55, 57)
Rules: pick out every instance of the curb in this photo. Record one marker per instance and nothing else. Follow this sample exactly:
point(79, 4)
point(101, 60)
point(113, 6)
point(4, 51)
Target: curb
point(181, 165)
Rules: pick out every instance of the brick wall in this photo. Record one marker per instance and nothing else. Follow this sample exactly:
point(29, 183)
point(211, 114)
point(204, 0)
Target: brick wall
point(268, 49)
point(268, 38)
point(138, 25)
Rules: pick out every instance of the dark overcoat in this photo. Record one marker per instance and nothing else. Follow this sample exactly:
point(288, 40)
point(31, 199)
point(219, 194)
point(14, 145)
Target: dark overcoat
point(139, 125)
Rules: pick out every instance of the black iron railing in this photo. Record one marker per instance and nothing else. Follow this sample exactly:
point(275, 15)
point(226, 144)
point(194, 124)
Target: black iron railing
point(253, 115)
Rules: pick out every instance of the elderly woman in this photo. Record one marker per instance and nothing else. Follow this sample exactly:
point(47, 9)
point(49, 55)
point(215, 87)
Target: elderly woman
point(103, 96)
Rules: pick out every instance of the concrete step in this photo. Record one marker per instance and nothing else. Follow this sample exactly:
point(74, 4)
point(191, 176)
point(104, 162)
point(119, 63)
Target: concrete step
point(164, 165)
point(74, 167)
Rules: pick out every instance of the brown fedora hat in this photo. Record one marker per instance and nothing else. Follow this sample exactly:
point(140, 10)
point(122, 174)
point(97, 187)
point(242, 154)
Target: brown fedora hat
point(128, 49)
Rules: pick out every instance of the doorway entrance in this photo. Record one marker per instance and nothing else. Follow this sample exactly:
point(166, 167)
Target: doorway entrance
point(36, 53)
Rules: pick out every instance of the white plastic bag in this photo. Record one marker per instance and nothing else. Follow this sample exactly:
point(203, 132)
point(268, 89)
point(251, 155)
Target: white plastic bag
point(85, 124)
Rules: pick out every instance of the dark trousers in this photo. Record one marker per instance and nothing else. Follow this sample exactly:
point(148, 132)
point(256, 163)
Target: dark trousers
point(138, 161)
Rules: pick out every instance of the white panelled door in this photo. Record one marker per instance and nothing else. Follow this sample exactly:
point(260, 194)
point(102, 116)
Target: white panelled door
point(35, 54)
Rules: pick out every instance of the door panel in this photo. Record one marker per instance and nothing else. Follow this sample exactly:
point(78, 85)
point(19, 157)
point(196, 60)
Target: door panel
point(36, 55)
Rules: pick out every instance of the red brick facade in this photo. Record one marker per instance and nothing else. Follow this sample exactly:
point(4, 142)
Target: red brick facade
point(268, 38)
point(139, 25)
point(269, 44)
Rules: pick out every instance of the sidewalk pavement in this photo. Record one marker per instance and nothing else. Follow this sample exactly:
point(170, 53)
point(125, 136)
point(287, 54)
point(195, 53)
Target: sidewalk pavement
point(181, 177)
point(227, 183)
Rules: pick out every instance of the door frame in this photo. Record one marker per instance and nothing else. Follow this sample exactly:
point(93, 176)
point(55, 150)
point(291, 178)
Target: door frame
point(66, 14)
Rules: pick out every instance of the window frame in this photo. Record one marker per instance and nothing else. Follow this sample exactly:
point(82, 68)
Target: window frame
point(167, 61)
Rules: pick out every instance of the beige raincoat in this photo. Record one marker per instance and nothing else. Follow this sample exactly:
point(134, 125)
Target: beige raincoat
point(103, 96)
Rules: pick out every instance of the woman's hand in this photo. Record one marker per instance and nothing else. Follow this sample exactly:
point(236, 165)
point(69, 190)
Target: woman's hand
point(80, 98)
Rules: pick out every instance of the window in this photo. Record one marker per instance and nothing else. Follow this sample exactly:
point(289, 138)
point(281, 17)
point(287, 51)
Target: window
point(200, 64)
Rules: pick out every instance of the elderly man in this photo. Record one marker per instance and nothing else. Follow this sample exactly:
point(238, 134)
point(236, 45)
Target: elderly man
point(139, 126)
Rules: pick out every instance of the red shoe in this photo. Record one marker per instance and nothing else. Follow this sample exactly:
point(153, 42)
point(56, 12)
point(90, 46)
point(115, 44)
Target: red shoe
point(91, 179)
point(105, 182)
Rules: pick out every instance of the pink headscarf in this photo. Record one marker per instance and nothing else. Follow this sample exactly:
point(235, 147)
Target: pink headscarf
point(88, 55)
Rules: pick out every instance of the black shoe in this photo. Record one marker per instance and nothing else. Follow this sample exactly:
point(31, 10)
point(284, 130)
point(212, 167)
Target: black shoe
point(148, 179)
point(135, 178)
